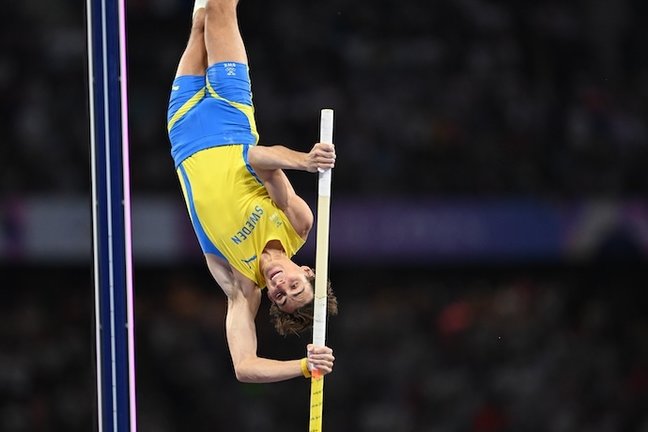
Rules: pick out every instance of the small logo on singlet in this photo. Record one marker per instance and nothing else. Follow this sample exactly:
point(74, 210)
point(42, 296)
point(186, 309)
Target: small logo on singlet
point(249, 261)
point(230, 69)
point(175, 88)
point(276, 219)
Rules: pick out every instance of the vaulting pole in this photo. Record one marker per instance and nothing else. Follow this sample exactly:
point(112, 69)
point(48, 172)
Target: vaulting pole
point(321, 273)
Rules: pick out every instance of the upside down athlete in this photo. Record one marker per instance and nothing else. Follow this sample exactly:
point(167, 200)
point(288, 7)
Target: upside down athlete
point(248, 219)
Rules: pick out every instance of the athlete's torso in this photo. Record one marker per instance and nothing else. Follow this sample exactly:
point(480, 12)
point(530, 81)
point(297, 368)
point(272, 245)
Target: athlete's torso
point(235, 210)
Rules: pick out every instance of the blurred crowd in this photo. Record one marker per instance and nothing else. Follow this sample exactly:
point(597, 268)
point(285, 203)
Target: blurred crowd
point(480, 351)
point(468, 97)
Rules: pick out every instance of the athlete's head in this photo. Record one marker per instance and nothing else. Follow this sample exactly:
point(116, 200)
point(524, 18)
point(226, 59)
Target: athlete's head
point(291, 291)
point(287, 284)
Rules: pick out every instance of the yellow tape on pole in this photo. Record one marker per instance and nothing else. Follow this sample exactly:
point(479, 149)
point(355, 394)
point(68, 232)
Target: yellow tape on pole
point(321, 273)
point(317, 404)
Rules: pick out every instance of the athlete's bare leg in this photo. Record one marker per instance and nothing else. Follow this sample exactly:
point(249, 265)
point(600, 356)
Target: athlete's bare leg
point(194, 57)
point(222, 35)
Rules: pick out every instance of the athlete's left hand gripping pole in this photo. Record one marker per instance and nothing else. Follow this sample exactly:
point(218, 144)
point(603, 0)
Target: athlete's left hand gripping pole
point(321, 272)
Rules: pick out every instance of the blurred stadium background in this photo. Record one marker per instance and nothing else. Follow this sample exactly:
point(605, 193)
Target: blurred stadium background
point(489, 222)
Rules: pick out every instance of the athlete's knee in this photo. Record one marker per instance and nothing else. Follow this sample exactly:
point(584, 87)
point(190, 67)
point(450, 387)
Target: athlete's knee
point(221, 9)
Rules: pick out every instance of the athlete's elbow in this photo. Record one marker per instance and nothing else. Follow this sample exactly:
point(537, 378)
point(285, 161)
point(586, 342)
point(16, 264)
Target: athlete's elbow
point(283, 202)
point(244, 373)
point(248, 377)
point(306, 228)
point(306, 224)
point(242, 376)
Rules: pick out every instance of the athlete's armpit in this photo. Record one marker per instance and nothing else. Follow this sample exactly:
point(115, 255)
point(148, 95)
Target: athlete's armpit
point(283, 195)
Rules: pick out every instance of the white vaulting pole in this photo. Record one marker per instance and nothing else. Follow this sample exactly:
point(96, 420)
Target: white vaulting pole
point(321, 272)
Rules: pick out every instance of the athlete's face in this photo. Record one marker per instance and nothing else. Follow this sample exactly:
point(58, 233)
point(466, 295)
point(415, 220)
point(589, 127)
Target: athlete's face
point(288, 286)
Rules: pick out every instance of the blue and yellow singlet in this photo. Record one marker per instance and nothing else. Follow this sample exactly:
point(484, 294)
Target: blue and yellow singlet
point(211, 128)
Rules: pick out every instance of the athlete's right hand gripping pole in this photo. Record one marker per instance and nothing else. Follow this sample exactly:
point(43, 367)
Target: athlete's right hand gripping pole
point(321, 272)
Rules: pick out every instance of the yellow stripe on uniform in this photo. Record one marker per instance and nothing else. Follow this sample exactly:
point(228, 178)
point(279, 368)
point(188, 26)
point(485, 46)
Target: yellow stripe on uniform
point(245, 109)
point(186, 107)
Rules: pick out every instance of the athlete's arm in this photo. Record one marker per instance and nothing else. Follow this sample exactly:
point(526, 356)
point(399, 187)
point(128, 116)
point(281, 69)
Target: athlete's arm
point(268, 163)
point(279, 157)
point(282, 193)
point(243, 299)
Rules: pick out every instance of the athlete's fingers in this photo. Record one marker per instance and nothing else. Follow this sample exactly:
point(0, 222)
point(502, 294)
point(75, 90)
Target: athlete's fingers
point(325, 367)
point(325, 161)
point(320, 358)
point(328, 157)
point(321, 157)
point(326, 165)
point(319, 364)
point(324, 150)
point(326, 358)
point(325, 147)
point(314, 349)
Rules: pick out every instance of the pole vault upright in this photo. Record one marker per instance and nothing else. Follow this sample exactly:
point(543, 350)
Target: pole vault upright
point(321, 273)
point(111, 216)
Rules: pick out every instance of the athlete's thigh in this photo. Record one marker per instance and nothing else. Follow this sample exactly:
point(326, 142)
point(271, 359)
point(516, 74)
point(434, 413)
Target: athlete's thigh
point(222, 34)
point(194, 57)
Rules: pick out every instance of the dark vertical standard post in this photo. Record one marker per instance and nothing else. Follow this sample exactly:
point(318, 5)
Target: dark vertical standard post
point(111, 214)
